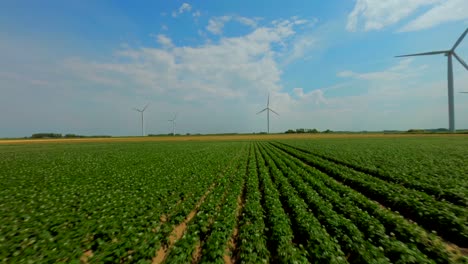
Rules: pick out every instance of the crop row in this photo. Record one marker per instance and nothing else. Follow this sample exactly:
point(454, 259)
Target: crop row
point(400, 238)
point(102, 202)
point(448, 220)
point(208, 232)
point(252, 241)
point(435, 165)
point(280, 234)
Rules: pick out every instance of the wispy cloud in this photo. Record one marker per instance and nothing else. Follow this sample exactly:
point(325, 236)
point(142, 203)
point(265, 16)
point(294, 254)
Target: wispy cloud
point(216, 24)
point(376, 15)
point(300, 48)
point(196, 14)
point(453, 10)
point(398, 72)
point(163, 40)
point(185, 7)
point(233, 67)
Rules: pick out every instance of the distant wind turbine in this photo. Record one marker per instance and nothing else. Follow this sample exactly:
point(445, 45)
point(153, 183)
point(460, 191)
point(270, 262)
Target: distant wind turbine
point(449, 53)
point(142, 120)
point(173, 120)
point(268, 109)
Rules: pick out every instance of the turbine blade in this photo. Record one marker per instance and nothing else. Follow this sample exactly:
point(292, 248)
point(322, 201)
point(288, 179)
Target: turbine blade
point(175, 116)
point(424, 53)
point(273, 111)
point(268, 100)
point(463, 92)
point(460, 39)
point(461, 61)
point(262, 111)
point(144, 108)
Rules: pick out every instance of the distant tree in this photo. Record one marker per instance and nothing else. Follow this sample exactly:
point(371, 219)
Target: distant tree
point(46, 135)
point(73, 136)
point(415, 131)
point(290, 131)
point(312, 131)
point(300, 130)
point(327, 131)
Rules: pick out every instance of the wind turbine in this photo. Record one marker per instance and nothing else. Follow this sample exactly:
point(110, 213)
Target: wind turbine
point(173, 124)
point(268, 109)
point(142, 111)
point(449, 53)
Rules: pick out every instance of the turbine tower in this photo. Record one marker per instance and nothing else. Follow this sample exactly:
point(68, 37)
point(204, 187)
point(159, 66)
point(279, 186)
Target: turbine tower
point(268, 109)
point(173, 124)
point(142, 111)
point(449, 53)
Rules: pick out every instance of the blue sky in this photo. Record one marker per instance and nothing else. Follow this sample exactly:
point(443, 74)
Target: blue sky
point(81, 66)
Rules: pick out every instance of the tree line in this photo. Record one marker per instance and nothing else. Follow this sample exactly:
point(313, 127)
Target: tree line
point(306, 130)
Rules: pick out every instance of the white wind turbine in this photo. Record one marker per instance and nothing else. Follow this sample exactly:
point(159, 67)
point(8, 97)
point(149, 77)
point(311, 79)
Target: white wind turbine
point(173, 120)
point(268, 109)
point(142, 120)
point(449, 53)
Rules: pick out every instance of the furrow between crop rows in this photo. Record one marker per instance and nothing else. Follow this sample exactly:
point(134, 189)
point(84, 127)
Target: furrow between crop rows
point(448, 220)
point(441, 194)
point(191, 246)
point(381, 225)
point(280, 236)
point(252, 239)
point(356, 244)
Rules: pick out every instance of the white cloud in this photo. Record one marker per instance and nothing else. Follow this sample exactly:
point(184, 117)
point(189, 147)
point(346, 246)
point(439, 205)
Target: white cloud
point(398, 72)
point(300, 47)
point(453, 10)
point(196, 14)
point(315, 96)
point(376, 14)
point(216, 24)
point(163, 40)
point(185, 7)
point(246, 21)
point(231, 68)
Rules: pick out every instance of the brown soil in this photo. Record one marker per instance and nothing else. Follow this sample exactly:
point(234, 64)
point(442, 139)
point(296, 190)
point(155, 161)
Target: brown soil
point(456, 250)
point(163, 219)
point(196, 256)
point(179, 230)
point(86, 255)
point(229, 257)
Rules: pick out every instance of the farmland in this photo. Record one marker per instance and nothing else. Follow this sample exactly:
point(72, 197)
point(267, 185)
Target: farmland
point(297, 200)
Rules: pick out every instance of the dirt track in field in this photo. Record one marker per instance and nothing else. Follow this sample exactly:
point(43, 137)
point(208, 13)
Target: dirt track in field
point(221, 137)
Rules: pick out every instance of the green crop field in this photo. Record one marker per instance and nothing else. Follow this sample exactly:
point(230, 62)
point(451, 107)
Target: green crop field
point(320, 200)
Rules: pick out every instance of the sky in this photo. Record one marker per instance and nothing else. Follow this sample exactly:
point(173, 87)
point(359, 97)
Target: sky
point(82, 66)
